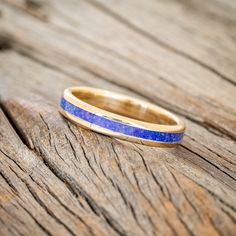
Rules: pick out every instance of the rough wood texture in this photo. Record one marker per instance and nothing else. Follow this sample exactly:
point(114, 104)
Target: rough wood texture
point(59, 179)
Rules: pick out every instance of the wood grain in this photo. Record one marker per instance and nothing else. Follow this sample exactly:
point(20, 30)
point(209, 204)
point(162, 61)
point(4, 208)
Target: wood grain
point(59, 179)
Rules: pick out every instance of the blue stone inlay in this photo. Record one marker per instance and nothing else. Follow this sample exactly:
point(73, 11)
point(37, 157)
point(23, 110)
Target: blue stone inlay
point(119, 127)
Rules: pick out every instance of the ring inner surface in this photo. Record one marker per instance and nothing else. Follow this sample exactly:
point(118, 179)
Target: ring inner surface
point(124, 107)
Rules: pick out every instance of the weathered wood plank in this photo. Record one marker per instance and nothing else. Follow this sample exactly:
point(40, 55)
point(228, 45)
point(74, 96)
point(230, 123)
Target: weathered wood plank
point(34, 200)
point(180, 27)
point(59, 179)
point(131, 171)
point(143, 189)
point(213, 107)
point(213, 147)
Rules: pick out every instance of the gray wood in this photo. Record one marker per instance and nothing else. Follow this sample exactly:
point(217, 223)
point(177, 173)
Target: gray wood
point(59, 179)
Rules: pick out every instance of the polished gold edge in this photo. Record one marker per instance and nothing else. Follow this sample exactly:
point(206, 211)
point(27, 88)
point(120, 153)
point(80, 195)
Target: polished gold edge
point(180, 127)
point(87, 125)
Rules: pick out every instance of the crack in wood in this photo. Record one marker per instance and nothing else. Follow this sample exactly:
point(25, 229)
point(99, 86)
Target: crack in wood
point(9, 182)
point(162, 103)
point(42, 204)
point(180, 111)
point(46, 231)
point(211, 163)
point(115, 182)
point(154, 39)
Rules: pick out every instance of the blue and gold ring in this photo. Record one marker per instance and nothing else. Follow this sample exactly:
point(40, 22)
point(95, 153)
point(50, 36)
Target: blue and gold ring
point(121, 116)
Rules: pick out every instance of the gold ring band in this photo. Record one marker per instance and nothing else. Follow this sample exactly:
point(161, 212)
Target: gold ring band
point(121, 116)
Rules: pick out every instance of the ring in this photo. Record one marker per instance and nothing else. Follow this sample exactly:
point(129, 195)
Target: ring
point(121, 116)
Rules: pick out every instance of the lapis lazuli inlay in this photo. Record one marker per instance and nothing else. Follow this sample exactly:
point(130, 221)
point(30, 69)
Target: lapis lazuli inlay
point(119, 127)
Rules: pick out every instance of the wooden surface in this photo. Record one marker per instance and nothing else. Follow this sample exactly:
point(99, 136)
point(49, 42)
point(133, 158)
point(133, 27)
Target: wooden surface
point(59, 179)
